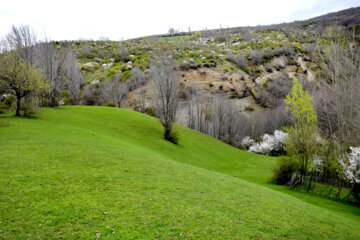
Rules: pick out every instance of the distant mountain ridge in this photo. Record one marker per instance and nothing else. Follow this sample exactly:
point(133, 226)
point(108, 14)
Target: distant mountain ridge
point(347, 18)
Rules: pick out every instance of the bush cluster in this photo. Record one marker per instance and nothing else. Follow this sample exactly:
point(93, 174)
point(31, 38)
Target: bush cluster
point(284, 170)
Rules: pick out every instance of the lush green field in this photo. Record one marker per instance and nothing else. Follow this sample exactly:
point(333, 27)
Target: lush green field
point(70, 172)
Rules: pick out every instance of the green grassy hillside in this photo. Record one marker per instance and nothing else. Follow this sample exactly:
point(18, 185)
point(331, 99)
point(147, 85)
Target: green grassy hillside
point(71, 172)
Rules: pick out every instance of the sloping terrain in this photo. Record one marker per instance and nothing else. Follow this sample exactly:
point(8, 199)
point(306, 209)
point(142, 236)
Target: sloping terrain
point(88, 172)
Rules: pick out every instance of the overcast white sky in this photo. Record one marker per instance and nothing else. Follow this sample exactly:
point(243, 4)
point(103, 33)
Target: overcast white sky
point(88, 19)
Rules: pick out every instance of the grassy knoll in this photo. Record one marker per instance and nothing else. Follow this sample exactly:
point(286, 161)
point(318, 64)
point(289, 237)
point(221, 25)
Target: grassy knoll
point(70, 172)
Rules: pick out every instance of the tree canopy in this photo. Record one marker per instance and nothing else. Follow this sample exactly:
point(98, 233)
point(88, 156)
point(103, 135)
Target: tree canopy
point(301, 139)
point(19, 77)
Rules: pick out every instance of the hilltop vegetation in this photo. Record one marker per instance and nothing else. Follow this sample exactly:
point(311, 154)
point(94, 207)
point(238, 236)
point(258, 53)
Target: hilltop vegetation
point(108, 172)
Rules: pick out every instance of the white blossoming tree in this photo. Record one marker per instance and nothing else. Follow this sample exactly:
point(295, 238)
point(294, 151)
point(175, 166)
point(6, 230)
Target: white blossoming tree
point(270, 143)
point(247, 142)
point(351, 168)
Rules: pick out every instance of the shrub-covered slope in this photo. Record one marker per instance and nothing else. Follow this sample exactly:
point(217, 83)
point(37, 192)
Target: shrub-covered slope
point(87, 172)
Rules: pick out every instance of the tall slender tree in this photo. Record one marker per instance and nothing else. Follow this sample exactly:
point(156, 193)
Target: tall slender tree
point(165, 86)
point(301, 139)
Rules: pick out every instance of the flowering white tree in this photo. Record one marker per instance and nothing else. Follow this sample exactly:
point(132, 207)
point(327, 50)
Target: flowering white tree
point(247, 142)
point(317, 164)
point(351, 168)
point(270, 143)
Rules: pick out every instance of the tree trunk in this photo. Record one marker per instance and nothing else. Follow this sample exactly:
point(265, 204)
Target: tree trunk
point(18, 106)
point(339, 192)
point(293, 179)
point(53, 101)
point(328, 195)
point(309, 183)
point(347, 196)
point(167, 133)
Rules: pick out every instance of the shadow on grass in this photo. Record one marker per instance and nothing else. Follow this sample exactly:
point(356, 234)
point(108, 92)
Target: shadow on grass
point(34, 115)
point(29, 117)
point(11, 115)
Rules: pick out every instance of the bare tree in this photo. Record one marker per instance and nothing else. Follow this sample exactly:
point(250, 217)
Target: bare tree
point(23, 39)
point(123, 53)
point(93, 94)
point(171, 31)
point(52, 61)
point(232, 122)
point(75, 78)
point(104, 38)
point(163, 72)
point(116, 90)
point(256, 56)
point(337, 100)
point(85, 49)
point(202, 112)
point(142, 99)
point(273, 93)
point(239, 59)
point(137, 79)
point(219, 128)
point(191, 101)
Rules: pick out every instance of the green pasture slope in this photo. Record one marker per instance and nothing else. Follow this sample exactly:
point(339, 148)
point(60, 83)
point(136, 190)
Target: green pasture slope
point(89, 172)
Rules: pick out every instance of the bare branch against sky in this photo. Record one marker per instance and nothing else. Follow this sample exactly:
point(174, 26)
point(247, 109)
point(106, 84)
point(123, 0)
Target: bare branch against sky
point(88, 19)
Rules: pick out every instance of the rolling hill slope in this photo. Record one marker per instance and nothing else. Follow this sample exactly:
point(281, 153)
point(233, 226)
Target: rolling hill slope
point(87, 172)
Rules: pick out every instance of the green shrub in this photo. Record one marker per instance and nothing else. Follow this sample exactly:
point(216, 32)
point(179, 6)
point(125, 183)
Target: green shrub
point(249, 109)
point(29, 107)
point(150, 112)
point(257, 70)
point(213, 63)
point(110, 104)
point(7, 103)
point(284, 169)
point(126, 75)
point(174, 137)
point(207, 65)
point(111, 71)
point(267, 82)
point(66, 98)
